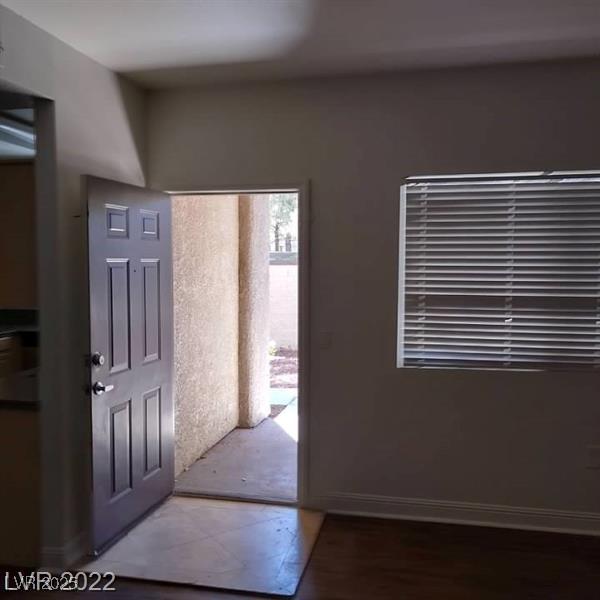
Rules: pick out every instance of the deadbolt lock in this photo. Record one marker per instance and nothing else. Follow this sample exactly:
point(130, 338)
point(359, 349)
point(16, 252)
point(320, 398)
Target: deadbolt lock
point(98, 359)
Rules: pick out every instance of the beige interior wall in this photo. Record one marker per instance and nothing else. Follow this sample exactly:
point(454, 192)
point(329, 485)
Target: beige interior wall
point(404, 441)
point(205, 293)
point(254, 309)
point(18, 270)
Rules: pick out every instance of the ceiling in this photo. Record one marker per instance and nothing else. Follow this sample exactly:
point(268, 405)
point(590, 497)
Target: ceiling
point(163, 43)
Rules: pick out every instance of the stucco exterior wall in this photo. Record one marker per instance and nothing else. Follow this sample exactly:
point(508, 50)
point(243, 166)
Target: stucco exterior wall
point(254, 309)
point(205, 291)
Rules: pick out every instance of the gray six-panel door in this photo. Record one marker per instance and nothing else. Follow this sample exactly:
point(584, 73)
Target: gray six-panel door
point(131, 354)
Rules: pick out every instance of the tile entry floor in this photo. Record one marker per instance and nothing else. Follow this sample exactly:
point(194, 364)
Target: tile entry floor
point(217, 543)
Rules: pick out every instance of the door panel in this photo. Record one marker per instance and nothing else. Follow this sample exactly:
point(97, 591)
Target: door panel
point(118, 314)
point(120, 448)
point(152, 434)
point(131, 319)
point(151, 277)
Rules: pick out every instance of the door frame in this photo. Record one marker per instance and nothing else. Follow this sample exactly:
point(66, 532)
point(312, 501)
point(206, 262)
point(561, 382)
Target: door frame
point(304, 379)
point(51, 340)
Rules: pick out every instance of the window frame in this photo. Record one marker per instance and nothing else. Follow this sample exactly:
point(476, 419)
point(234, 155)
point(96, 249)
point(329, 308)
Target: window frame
point(402, 257)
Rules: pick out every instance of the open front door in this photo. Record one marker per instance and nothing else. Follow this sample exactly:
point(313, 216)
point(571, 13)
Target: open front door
point(131, 316)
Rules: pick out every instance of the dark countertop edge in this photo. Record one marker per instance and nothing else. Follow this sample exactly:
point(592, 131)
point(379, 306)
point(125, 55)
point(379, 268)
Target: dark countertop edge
point(7, 330)
point(32, 405)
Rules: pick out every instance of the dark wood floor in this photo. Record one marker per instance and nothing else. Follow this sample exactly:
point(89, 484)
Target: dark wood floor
point(374, 559)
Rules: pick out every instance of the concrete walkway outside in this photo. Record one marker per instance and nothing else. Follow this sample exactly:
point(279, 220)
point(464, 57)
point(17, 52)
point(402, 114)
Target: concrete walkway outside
point(283, 395)
point(256, 464)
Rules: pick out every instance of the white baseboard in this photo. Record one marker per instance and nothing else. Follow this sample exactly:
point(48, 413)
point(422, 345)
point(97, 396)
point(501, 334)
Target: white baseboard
point(464, 513)
point(57, 557)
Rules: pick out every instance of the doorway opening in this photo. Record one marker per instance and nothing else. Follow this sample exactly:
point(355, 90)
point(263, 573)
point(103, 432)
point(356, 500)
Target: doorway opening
point(215, 252)
point(235, 282)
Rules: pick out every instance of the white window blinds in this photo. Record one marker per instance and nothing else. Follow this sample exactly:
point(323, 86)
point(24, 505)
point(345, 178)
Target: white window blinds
point(500, 271)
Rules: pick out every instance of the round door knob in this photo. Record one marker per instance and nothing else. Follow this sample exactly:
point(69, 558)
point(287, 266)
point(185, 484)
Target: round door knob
point(98, 359)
